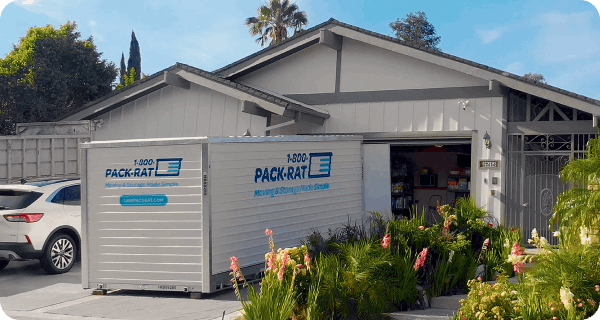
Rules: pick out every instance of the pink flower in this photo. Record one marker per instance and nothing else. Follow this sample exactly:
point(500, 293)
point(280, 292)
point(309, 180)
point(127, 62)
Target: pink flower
point(580, 305)
point(478, 278)
point(480, 292)
point(486, 242)
point(307, 261)
point(490, 224)
point(421, 259)
point(271, 261)
point(554, 318)
point(299, 266)
point(385, 242)
point(597, 288)
point(285, 258)
point(421, 227)
point(235, 269)
point(268, 232)
point(516, 249)
point(552, 309)
point(280, 274)
point(517, 265)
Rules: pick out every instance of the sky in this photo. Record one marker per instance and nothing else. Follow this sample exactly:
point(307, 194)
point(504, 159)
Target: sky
point(557, 38)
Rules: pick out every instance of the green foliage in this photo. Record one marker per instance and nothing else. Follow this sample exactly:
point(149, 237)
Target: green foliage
point(276, 301)
point(22, 54)
point(49, 73)
point(467, 210)
point(273, 21)
point(579, 206)
point(352, 286)
point(122, 71)
point(135, 57)
point(415, 29)
point(485, 301)
point(535, 76)
point(128, 79)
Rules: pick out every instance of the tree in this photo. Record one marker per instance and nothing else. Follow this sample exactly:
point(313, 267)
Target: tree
point(415, 29)
point(273, 21)
point(122, 70)
point(49, 73)
point(135, 58)
point(127, 79)
point(535, 76)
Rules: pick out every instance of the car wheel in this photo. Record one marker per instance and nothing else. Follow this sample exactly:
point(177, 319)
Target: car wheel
point(59, 255)
point(3, 264)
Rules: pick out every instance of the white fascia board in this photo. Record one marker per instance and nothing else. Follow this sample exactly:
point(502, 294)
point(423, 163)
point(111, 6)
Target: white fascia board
point(467, 69)
point(235, 93)
point(311, 36)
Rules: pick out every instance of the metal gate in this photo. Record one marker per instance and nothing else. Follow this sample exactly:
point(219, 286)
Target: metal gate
point(532, 181)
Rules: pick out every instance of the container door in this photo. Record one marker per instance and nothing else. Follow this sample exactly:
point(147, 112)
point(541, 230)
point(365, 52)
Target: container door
point(376, 175)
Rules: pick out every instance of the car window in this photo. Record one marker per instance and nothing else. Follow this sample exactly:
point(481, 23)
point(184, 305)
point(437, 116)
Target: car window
point(59, 197)
point(72, 195)
point(12, 199)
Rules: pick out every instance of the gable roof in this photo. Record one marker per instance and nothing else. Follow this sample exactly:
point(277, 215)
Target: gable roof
point(180, 75)
point(300, 41)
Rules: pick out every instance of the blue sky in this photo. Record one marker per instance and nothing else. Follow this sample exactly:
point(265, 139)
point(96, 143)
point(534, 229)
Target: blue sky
point(558, 38)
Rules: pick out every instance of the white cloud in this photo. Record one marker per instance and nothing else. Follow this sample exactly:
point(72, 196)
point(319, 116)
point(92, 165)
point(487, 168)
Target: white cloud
point(565, 37)
point(488, 36)
point(92, 22)
point(516, 68)
point(27, 2)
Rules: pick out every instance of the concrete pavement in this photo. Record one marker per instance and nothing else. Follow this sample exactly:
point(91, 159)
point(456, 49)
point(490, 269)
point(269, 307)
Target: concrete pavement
point(67, 301)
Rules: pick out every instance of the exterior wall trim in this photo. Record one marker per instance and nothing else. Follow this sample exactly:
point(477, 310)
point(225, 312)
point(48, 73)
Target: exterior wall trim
point(395, 95)
point(554, 127)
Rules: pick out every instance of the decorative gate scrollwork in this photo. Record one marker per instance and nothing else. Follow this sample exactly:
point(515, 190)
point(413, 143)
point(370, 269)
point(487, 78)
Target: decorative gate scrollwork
point(533, 182)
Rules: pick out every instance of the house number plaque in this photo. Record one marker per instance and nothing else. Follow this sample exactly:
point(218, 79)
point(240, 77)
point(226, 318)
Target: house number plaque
point(489, 164)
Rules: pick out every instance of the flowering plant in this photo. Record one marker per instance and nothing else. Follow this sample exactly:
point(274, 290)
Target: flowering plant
point(489, 301)
point(421, 259)
point(516, 257)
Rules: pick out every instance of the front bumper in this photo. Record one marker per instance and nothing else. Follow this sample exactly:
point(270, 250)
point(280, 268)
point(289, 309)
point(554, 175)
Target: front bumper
point(18, 251)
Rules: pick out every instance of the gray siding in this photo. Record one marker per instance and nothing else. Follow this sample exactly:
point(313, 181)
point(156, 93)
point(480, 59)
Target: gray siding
point(174, 112)
point(311, 70)
point(369, 68)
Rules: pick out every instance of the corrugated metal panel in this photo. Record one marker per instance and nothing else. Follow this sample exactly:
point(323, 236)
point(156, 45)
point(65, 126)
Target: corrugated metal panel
point(149, 245)
point(240, 213)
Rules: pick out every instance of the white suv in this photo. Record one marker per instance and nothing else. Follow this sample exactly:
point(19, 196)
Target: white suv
point(41, 220)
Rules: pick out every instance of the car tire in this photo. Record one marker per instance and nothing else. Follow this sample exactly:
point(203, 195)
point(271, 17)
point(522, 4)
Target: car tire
point(3, 264)
point(59, 255)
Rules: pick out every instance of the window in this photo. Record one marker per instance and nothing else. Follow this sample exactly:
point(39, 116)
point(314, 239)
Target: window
point(72, 195)
point(11, 199)
point(59, 197)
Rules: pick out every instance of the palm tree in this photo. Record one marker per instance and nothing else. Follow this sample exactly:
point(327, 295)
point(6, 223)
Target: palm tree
point(274, 19)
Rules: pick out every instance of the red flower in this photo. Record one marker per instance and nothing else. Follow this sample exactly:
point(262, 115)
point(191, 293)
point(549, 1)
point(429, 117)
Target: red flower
point(385, 242)
point(421, 259)
point(268, 232)
point(486, 242)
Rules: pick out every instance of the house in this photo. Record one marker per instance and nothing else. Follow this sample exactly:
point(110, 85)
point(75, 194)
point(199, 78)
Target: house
point(436, 127)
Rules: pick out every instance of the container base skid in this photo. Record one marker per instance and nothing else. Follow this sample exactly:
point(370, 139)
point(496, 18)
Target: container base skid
point(221, 281)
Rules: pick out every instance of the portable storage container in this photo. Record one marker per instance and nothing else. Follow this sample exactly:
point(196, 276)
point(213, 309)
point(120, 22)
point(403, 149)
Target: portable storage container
point(167, 214)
